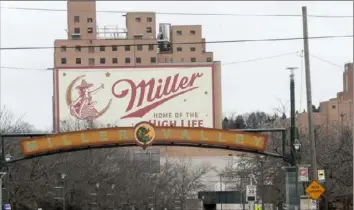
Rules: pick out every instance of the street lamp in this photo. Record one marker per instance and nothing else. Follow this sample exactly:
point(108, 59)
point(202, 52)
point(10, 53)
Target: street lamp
point(8, 157)
point(297, 145)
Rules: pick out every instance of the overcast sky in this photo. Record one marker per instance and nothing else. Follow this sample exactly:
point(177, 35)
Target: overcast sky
point(249, 86)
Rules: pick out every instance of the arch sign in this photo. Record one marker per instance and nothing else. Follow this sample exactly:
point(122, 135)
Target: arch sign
point(144, 134)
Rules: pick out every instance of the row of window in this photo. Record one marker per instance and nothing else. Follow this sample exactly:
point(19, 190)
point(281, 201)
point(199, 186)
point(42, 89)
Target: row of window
point(126, 60)
point(179, 49)
point(91, 49)
point(78, 30)
point(77, 19)
point(103, 60)
point(127, 48)
point(90, 30)
point(148, 19)
point(180, 33)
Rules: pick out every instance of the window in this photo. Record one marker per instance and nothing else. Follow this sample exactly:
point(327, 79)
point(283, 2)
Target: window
point(114, 60)
point(333, 106)
point(149, 19)
point(127, 47)
point(179, 32)
point(148, 30)
point(192, 49)
point(153, 59)
point(127, 60)
point(91, 49)
point(138, 37)
point(209, 59)
point(102, 60)
point(63, 60)
point(63, 48)
point(102, 48)
point(78, 49)
point(76, 30)
point(91, 61)
point(90, 30)
point(179, 49)
point(139, 47)
point(114, 48)
point(193, 59)
point(76, 19)
point(78, 60)
point(138, 19)
point(192, 32)
point(76, 37)
point(89, 20)
point(138, 60)
point(151, 47)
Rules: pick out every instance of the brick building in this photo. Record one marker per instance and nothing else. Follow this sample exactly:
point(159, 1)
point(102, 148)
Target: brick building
point(140, 43)
point(336, 111)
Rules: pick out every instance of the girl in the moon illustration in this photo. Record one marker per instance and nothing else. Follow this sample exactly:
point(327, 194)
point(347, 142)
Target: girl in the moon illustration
point(83, 107)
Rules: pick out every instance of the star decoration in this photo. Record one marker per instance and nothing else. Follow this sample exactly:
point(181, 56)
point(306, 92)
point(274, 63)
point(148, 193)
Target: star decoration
point(64, 74)
point(108, 74)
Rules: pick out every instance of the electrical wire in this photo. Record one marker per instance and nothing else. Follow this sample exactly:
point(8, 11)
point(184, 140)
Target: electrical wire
point(258, 59)
point(223, 64)
point(185, 43)
point(329, 62)
point(182, 13)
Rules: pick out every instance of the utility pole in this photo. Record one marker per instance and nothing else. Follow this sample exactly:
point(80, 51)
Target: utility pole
point(309, 94)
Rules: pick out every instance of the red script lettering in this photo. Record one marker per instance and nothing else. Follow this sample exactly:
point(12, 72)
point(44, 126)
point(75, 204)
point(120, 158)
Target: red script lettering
point(156, 92)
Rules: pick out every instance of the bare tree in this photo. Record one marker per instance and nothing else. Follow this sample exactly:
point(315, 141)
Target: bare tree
point(101, 178)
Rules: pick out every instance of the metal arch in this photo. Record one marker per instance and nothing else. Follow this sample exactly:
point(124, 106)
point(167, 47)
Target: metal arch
point(132, 145)
point(30, 135)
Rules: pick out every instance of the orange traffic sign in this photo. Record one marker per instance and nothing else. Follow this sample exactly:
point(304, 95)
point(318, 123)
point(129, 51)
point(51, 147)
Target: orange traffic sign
point(315, 190)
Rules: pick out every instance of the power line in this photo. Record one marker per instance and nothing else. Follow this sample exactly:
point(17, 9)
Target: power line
point(20, 68)
point(326, 61)
point(183, 43)
point(184, 14)
point(258, 59)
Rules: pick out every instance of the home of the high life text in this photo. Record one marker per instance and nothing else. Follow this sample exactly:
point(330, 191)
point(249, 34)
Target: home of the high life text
point(177, 119)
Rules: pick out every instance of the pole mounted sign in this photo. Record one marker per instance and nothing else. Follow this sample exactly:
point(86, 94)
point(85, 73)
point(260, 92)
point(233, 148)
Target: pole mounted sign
point(315, 190)
point(321, 175)
point(251, 190)
point(303, 174)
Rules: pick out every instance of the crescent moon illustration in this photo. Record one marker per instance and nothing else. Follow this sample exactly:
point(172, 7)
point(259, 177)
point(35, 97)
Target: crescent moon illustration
point(69, 96)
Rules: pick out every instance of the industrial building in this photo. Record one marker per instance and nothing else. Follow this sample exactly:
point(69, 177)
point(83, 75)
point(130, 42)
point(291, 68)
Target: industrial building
point(139, 43)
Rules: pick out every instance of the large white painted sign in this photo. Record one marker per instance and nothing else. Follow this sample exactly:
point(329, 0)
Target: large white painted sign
point(175, 96)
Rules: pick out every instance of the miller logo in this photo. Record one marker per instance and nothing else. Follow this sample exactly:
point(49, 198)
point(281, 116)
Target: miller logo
point(144, 134)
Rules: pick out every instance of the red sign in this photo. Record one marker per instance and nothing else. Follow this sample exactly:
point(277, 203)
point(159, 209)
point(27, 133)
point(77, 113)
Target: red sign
point(303, 174)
